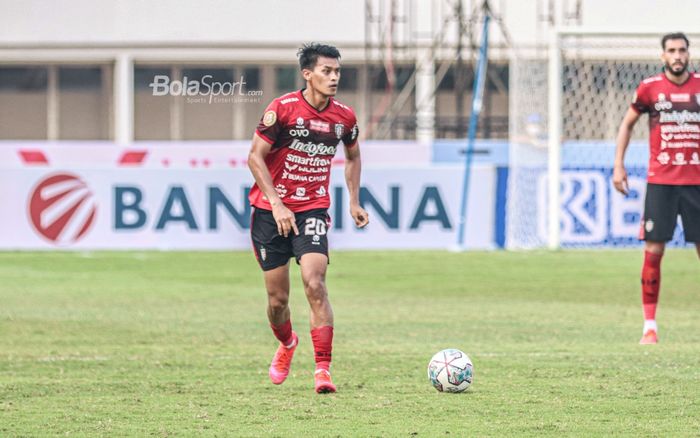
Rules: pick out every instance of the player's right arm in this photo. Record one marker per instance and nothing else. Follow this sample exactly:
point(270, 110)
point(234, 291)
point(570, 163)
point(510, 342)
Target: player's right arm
point(286, 221)
point(640, 104)
point(623, 140)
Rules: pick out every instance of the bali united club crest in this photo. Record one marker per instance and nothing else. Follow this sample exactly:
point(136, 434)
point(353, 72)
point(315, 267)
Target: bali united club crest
point(339, 129)
point(649, 225)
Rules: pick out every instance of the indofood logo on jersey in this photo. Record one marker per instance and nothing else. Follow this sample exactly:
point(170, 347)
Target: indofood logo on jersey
point(62, 208)
point(312, 149)
point(679, 117)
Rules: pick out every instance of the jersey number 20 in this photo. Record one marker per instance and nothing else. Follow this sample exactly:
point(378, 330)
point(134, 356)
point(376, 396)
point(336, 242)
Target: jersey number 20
point(315, 226)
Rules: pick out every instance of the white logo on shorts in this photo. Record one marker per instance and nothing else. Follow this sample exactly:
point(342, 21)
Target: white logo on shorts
point(263, 253)
point(649, 225)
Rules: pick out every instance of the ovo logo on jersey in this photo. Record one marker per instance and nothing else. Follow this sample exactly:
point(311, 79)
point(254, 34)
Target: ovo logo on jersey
point(62, 208)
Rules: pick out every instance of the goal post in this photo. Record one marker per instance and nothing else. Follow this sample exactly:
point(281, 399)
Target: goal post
point(554, 141)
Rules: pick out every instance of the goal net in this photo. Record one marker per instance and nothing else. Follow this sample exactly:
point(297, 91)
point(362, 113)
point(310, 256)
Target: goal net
point(565, 106)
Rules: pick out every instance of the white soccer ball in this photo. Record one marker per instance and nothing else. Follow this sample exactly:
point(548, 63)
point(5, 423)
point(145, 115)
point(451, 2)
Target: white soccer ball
point(450, 370)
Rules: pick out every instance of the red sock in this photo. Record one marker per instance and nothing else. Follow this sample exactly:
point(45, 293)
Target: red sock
point(283, 332)
point(322, 337)
point(651, 283)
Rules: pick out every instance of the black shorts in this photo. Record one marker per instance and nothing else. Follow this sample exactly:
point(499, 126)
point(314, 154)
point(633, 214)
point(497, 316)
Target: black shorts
point(274, 250)
point(662, 206)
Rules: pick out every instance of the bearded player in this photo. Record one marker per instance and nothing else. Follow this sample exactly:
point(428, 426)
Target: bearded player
point(290, 159)
point(672, 100)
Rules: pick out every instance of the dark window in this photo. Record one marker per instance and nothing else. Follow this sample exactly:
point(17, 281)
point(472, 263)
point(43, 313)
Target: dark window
point(449, 81)
point(23, 103)
point(79, 78)
point(151, 113)
point(378, 77)
point(348, 78)
point(24, 78)
point(498, 73)
point(251, 76)
point(286, 78)
point(208, 75)
point(144, 76)
point(403, 74)
point(495, 73)
point(83, 104)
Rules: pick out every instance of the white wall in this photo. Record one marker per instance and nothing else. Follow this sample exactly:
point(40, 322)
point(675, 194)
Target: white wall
point(676, 15)
point(291, 22)
point(164, 20)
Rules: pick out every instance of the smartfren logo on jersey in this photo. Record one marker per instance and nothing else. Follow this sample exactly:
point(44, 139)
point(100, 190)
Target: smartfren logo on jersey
point(62, 208)
point(308, 161)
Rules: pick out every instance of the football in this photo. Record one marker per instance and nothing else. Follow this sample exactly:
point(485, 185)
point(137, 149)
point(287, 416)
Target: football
point(450, 370)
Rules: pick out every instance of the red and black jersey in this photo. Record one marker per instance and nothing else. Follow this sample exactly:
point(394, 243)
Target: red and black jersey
point(304, 141)
point(674, 128)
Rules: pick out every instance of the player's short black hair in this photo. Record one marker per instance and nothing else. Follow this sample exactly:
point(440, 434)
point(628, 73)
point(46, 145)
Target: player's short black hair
point(674, 36)
point(309, 53)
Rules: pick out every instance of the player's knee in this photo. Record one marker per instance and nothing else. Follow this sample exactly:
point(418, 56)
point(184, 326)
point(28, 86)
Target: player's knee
point(655, 247)
point(277, 305)
point(315, 288)
point(278, 299)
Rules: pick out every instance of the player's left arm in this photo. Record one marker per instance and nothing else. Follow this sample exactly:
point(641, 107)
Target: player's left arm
point(353, 167)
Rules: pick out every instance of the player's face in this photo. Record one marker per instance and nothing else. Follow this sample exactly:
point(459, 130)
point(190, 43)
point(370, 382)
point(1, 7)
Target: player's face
point(675, 57)
point(325, 76)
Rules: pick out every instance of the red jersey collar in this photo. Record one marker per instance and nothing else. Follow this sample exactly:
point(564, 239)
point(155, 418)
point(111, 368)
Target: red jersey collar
point(690, 75)
point(313, 108)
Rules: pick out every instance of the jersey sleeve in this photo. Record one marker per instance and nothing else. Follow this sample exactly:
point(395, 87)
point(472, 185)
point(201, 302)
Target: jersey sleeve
point(350, 139)
point(270, 125)
point(640, 101)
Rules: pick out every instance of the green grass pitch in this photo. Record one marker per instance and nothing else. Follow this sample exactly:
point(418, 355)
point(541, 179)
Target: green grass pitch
point(177, 344)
